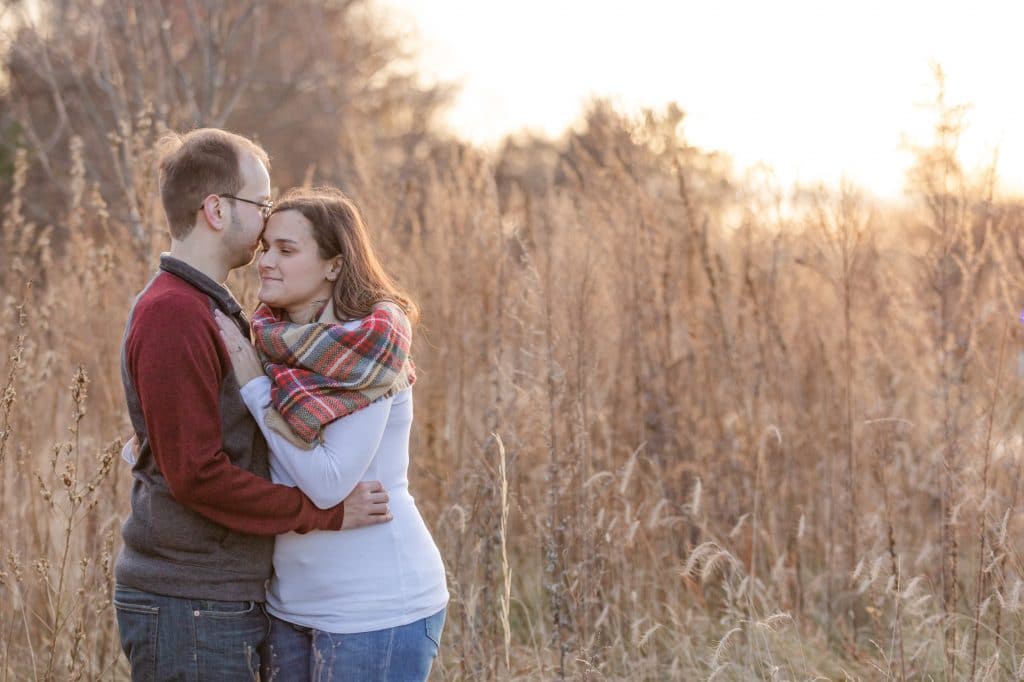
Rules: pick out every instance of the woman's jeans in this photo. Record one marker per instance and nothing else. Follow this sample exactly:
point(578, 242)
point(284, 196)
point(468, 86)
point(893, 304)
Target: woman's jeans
point(400, 654)
point(170, 638)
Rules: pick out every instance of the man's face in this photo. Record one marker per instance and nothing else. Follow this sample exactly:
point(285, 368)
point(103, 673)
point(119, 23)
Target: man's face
point(246, 225)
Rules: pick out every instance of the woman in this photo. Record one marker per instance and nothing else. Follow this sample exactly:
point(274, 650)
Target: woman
point(335, 405)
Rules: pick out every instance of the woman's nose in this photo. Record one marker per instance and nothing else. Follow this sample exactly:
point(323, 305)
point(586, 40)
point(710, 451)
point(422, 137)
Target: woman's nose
point(265, 262)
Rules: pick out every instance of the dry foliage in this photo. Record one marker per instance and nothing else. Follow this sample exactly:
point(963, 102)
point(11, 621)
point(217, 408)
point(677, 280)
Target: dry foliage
point(671, 424)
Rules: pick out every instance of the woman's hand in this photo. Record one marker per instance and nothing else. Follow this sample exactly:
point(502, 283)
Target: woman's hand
point(130, 451)
point(243, 356)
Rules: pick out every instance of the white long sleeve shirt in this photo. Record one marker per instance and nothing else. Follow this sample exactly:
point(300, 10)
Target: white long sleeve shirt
point(358, 580)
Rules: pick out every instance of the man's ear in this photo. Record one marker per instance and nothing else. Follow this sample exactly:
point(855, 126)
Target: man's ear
point(213, 211)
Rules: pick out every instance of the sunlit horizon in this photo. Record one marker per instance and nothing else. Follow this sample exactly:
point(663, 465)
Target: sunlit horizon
point(818, 91)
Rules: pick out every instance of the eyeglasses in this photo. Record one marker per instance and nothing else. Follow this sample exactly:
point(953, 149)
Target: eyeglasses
point(266, 207)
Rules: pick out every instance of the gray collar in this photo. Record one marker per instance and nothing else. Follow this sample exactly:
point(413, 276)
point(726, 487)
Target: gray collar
point(217, 292)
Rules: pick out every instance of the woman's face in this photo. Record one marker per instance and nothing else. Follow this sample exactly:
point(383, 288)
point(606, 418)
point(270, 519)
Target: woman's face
point(292, 273)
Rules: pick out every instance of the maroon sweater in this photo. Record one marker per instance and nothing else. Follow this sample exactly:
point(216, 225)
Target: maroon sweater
point(203, 511)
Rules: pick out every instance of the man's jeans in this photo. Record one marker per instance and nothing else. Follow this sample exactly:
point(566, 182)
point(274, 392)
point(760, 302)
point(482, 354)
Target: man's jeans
point(170, 638)
point(400, 654)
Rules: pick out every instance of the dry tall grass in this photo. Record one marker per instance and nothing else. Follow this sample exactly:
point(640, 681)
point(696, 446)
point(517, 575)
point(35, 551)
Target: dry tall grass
point(665, 428)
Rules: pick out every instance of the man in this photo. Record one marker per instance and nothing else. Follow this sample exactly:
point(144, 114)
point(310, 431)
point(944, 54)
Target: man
point(198, 542)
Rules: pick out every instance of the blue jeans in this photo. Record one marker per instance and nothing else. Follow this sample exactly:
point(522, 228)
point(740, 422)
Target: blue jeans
point(170, 638)
point(400, 654)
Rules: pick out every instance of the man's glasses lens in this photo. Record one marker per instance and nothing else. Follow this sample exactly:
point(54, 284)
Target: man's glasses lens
point(265, 207)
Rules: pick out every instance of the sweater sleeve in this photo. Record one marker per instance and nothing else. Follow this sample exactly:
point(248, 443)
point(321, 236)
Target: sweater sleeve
point(177, 371)
point(329, 472)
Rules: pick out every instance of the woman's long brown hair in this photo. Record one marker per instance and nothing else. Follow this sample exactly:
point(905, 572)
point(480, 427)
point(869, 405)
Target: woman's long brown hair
point(339, 230)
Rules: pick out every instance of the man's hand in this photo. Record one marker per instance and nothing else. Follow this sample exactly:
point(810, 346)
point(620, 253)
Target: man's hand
point(367, 505)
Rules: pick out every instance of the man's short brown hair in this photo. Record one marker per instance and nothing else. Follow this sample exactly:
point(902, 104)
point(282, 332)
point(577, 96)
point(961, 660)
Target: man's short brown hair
point(197, 164)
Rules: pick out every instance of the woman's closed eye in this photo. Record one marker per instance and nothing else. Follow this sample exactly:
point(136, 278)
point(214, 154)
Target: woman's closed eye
point(263, 248)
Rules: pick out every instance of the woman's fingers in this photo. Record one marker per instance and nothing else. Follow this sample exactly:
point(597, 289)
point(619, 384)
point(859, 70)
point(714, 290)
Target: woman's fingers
point(234, 341)
point(241, 352)
point(232, 344)
point(227, 328)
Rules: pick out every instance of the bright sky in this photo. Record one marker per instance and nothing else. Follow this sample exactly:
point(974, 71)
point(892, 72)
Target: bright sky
point(818, 89)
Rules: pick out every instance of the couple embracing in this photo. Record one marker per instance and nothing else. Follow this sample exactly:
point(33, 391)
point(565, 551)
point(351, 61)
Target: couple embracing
point(271, 532)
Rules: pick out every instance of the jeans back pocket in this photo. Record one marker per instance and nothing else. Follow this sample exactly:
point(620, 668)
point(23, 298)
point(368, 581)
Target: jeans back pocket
point(434, 627)
point(137, 624)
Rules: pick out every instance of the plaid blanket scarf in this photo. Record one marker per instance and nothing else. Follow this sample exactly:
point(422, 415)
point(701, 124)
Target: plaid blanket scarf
point(321, 371)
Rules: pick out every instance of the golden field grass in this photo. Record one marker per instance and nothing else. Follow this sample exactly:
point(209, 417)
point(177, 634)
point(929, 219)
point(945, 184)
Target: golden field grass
point(670, 423)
